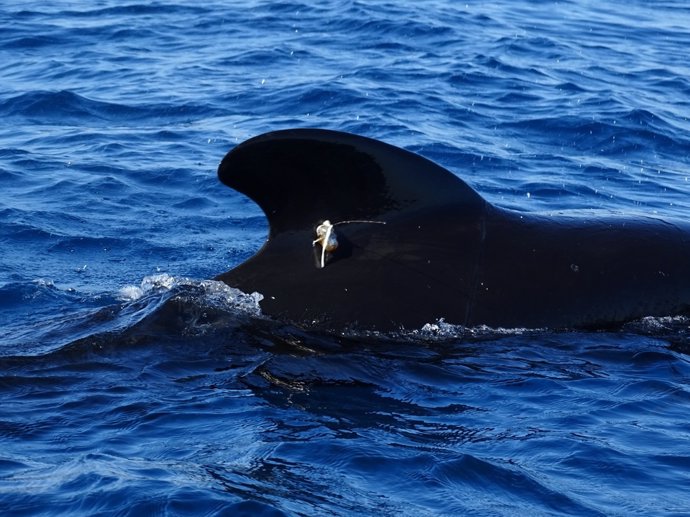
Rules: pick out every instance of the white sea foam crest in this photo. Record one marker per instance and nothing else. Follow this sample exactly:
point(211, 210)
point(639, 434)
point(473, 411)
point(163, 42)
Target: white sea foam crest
point(441, 329)
point(150, 283)
point(221, 294)
point(444, 330)
point(213, 292)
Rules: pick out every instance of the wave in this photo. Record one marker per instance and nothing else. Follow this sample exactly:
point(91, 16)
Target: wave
point(68, 107)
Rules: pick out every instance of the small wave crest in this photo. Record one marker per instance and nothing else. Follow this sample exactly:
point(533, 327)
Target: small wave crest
point(211, 292)
point(160, 306)
point(673, 329)
point(440, 331)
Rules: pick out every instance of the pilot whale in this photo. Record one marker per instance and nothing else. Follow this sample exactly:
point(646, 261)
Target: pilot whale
point(365, 235)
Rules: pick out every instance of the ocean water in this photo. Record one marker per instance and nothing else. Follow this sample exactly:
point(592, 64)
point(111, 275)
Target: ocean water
point(131, 384)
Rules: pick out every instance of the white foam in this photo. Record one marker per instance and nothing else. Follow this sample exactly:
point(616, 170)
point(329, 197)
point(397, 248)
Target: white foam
point(441, 329)
point(130, 293)
point(159, 281)
point(221, 294)
point(215, 293)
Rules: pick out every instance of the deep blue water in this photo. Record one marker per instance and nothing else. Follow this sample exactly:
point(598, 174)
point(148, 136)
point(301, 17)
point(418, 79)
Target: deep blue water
point(132, 385)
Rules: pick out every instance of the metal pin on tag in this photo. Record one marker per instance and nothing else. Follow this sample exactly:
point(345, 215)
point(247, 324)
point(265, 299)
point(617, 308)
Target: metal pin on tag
point(326, 237)
point(328, 240)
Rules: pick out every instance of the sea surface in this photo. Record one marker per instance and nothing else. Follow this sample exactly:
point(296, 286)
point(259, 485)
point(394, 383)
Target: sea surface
point(132, 384)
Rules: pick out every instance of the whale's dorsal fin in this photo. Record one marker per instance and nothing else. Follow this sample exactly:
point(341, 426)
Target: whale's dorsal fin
point(300, 175)
point(395, 222)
